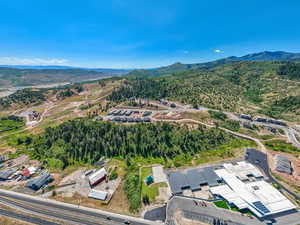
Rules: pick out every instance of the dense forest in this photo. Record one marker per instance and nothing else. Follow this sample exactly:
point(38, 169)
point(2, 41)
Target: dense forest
point(235, 87)
point(86, 141)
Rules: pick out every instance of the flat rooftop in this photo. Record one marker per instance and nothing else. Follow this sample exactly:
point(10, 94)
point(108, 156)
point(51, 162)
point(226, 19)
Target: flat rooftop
point(259, 196)
point(192, 179)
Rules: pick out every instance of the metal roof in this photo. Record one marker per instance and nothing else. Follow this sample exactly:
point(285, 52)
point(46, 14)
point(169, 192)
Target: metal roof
point(100, 195)
point(283, 164)
point(192, 179)
point(38, 182)
point(5, 174)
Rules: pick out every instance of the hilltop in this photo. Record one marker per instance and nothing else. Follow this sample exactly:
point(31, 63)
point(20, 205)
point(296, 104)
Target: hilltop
point(178, 67)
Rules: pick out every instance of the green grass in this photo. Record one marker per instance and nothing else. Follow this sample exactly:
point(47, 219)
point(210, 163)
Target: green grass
point(282, 146)
point(221, 204)
point(152, 190)
point(10, 125)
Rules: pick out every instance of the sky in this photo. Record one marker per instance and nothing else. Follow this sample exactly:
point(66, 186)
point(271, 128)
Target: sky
point(143, 33)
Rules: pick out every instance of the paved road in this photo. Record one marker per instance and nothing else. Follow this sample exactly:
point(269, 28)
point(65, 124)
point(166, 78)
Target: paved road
point(29, 219)
point(67, 212)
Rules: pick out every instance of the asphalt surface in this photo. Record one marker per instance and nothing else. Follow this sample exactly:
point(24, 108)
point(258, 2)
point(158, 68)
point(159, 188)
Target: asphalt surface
point(192, 211)
point(29, 219)
point(156, 214)
point(67, 213)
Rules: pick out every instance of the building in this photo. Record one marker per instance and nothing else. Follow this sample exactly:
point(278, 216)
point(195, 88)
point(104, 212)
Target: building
point(38, 182)
point(97, 177)
point(283, 164)
point(100, 195)
point(260, 197)
point(34, 116)
point(28, 172)
point(149, 180)
point(192, 179)
point(7, 173)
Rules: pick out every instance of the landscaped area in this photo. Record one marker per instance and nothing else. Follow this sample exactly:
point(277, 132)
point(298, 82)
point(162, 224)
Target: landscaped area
point(152, 190)
point(223, 204)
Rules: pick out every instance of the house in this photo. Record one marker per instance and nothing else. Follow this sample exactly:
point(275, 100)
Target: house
point(97, 177)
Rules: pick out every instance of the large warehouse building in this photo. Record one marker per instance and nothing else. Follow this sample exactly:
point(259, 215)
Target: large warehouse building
point(241, 184)
point(244, 188)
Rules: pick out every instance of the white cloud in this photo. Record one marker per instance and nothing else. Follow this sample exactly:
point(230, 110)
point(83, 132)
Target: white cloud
point(186, 52)
point(31, 61)
point(219, 51)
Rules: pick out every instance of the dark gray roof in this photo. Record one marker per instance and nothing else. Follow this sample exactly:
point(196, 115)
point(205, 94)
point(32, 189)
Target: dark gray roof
point(192, 179)
point(195, 178)
point(211, 177)
point(178, 182)
point(38, 182)
point(283, 164)
point(5, 174)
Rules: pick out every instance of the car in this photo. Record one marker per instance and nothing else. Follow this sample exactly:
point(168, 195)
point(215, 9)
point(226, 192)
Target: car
point(130, 120)
point(127, 222)
point(124, 119)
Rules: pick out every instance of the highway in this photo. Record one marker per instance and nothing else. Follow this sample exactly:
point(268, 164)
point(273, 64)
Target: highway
point(26, 218)
point(70, 214)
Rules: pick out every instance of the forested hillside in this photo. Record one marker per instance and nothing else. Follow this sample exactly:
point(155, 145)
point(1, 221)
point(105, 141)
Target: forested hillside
point(239, 87)
point(85, 141)
point(179, 67)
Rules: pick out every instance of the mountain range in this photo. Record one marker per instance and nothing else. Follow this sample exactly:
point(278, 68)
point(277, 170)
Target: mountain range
point(20, 75)
point(178, 67)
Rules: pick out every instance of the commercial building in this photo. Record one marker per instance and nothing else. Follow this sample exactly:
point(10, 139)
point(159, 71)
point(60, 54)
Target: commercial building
point(38, 182)
point(244, 188)
point(192, 179)
point(100, 195)
point(7, 173)
point(97, 177)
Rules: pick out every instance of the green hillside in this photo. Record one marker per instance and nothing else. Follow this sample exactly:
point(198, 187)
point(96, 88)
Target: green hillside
point(179, 67)
point(240, 87)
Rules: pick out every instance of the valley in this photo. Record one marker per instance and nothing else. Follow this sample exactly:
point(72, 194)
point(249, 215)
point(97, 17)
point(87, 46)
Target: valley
point(140, 128)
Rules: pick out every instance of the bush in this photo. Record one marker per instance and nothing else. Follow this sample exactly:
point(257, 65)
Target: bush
point(217, 115)
point(132, 189)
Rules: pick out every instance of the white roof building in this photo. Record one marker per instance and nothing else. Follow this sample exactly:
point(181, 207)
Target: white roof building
point(259, 196)
point(97, 177)
point(100, 195)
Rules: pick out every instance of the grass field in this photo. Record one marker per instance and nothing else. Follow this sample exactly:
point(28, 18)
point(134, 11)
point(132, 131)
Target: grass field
point(281, 146)
point(152, 190)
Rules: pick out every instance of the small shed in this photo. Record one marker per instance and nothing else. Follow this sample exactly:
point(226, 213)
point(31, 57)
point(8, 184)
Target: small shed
point(149, 180)
point(100, 195)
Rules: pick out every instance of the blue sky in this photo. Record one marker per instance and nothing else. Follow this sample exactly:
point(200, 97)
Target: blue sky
point(143, 33)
